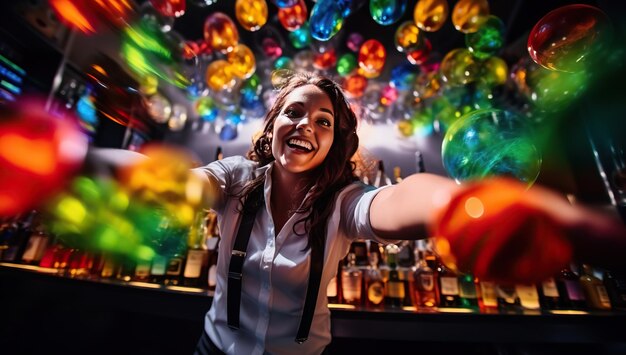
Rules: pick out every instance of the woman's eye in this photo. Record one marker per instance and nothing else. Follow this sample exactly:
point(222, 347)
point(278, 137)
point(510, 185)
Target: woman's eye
point(324, 122)
point(291, 113)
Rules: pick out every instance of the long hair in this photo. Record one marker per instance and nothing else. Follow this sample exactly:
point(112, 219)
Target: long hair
point(337, 170)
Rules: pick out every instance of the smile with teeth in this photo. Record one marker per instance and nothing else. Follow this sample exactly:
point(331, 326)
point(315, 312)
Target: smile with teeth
point(299, 144)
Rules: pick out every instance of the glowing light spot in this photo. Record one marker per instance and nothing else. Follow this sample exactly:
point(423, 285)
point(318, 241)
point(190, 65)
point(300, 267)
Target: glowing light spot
point(474, 207)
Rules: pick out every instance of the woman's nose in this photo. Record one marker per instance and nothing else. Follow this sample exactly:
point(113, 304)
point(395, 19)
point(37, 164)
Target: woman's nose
point(304, 124)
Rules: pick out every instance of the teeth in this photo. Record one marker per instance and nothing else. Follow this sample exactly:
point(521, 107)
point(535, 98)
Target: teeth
point(300, 143)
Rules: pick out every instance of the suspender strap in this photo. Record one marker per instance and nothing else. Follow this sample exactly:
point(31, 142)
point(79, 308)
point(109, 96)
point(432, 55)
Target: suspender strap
point(238, 255)
point(315, 277)
point(235, 269)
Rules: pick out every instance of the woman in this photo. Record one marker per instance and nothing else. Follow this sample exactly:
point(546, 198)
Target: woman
point(309, 202)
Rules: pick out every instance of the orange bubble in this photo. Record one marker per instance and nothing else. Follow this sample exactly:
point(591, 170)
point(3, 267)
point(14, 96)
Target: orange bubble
point(407, 36)
point(242, 61)
point(251, 14)
point(430, 15)
point(355, 85)
point(469, 15)
point(372, 56)
point(220, 32)
point(220, 76)
point(293, 17)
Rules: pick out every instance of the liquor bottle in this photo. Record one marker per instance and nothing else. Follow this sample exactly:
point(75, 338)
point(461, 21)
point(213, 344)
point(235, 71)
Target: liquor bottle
point(359, 248)
point(351, 282)
point(595, 292)
point(80, 264)
point(448, 283)
point(395, 287)
point(468, 296)
point(174, 269)
point(142, 270)
point(549, 297)
point(615, 284)
point(397, 176)
point(406, 256)
point(374, 284)
point(333, 291)
point(572, 294)
point(487, 296)
point(157, 269)
point(528, 296)
point(37, 244)
point(381, 177)
point(424, 285)
point(109, 267)
point(16, 238)
point(195, 272)
point(125, 269)
point(508, 300)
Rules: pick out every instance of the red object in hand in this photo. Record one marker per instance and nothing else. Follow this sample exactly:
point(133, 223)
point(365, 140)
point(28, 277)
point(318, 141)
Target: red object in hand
point(494, 230)
point(39, 153)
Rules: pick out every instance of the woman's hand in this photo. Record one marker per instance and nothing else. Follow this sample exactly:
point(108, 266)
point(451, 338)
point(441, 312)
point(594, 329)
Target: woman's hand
point(498, 230)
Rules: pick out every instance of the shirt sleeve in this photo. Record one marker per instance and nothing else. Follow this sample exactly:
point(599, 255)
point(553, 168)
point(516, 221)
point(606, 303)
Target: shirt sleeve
point(226, 172)
point(355, 212)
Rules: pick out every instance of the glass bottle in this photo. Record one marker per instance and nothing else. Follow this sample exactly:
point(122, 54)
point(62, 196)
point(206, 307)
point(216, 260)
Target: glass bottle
point(424, 285)
point(394, 288)
point(487, 296)
point(351, 279)
point(468, 296)
point(568, 284)
point(448, 283)
point(381, 179)
point(595, 292)
point(359, 248)
point(528, 296)
point(615, 284)
point(374, 284)
point(195, 272)
point(549, 297)
point(508, 299)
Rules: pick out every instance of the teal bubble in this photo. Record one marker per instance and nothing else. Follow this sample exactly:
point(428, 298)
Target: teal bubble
point(301, 38)
point(386, 12)
point(487, 40)
point(346, 64)
point(283, 63)
point(491, 142)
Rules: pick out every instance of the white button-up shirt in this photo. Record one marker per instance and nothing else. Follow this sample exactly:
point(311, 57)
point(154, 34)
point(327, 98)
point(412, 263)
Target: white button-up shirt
point(276, 269)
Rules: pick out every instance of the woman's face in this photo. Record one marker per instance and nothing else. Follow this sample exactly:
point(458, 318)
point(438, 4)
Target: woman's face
point(303, 130)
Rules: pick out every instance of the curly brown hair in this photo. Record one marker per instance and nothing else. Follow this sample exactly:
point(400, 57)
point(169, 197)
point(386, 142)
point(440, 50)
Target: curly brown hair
point(337, 170)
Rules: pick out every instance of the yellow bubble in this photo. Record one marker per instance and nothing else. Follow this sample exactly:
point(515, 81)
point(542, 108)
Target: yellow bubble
point(251, 14)
point(220, 76)
point(469, 15)
point(242, 61)
point(430, 15)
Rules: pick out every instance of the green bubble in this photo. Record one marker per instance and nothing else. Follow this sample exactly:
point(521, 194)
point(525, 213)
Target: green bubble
point(487, 40)
point(346, 64)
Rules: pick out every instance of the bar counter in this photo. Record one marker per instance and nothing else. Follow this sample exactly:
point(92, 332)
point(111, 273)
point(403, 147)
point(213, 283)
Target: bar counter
point(45, 313)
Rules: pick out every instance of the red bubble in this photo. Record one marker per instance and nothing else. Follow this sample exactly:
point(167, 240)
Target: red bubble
point(39, 153)
point(294, 17)
point(355, 85)
point(170, 8)
point(325, 60)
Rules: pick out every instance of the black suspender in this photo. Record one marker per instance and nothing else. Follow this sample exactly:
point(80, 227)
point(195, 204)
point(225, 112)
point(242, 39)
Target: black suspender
point(235, 269)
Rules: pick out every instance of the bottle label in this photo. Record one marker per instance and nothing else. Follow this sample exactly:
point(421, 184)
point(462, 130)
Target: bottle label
point(395, 289)
point(142, 269)
point(194, 264)
point(574, 291)
point(376, 292)
point(159, 263)
point(488, 290)
point(426, 282)
point(529, 298)
point(351, 283)
point(549, 288)
point(34, 243)
point(449, 285)
point(603, 296)
point(174, 266)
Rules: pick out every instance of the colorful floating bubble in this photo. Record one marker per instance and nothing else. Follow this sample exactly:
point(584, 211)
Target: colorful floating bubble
point(159, 108)
point(493, 72)
point(487, 40)
point(325, 60)
point(354, 41)
point(178, 119)
point(220, 32)
point(389, 95)
point(326, 19)
point(570, 38)
point(387, 12)
point(346, 64)
point(220, 76)
point(242, 61)
point(284, 63)
point(251, 14)
point(403, 76)
point(469, 15)
point(430, 15)
point(459, 67)
point(355, 85)
point(419, 55)
point(487, 143)
point(271, 48)
point(228, 132)
point(170, 8)
point(39, 154)
point(407, 37)
point(206, 109)
point(293, 17)
point(285, 3)
point(372, 56)
point(301, 38)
